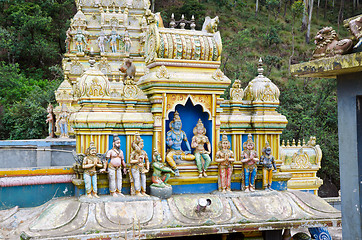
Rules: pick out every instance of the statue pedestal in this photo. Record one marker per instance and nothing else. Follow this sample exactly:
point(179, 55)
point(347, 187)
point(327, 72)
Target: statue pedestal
point(163, 193)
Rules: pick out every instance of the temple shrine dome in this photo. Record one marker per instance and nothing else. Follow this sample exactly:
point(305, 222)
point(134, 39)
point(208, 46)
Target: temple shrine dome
point(92, 84)
point(261, 89)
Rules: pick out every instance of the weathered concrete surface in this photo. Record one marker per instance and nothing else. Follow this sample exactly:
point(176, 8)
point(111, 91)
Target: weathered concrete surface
point(329, 67)
point(36, 153)
point(110, 217)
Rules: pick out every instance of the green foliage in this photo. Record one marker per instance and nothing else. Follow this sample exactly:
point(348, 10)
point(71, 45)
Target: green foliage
point(297, 8)
point(271, 37)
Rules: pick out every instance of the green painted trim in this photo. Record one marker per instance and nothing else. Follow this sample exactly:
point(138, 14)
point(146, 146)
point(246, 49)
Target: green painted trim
point(150, 85)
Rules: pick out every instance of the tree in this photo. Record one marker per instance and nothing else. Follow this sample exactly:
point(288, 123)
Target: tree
point(297, 9)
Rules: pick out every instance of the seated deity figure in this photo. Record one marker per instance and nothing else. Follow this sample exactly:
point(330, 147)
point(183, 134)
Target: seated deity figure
point(116, 161)
point(268, 162)
point(140, 165)
point(174, 138)
point(249, 160)
point(161, 173)
point(90, 164)
point(198, 142)
point(225, 158)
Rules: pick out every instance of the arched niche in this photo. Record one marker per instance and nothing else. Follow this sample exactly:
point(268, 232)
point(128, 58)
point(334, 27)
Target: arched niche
point(189, 115)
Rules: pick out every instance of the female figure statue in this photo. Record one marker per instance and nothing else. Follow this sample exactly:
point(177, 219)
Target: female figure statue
point(63, 121)
point(225, 158)
point(198, 142)
point(140, 165)
point(250, 159)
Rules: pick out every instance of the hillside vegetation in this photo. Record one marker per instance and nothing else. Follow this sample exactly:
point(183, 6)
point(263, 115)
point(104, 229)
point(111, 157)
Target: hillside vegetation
point(32, 35)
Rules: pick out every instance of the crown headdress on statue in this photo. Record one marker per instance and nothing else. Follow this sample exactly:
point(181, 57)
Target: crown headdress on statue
point(224, 138)
point(116, 138)
point(250, 140)
point(176, 117)
point(267, 145)
point(91, 146)
point(199, 124)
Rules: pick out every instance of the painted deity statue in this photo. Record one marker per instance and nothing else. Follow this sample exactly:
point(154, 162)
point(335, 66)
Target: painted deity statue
point(67, 40)
point(63, 121)
point(268, 162)
point(161, 173)
point(116, 161)
point(101, 42)
point(174, 138)
point(90, 164)
point(113, 40)
point(249, 160)
point(198, 142)
point(225, 158)
point(50, 121)
point(140, 165)
point(127, 43)
point(80, 41)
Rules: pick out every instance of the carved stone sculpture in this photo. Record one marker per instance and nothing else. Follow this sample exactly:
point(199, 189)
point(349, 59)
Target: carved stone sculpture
point(198, 142)
point(127, 43)
point(140, 165)
point(50, 121)
point(101, 42)
point(174, 138)
point(328, 44)
point(161, 173)
point(355, 27)
point(116, 161)
point(63, 121)
point(249, 160)
point(80, 41)
point(210, 25)
point(225, 158)
point(90, 164)
point(113, 41)
point(268, 162)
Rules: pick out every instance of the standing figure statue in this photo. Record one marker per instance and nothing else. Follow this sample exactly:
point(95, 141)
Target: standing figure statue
point(198, 142)
point(67, 41)
point(250, 159)
point(113, 40)
point(268, 162)
point(101, 42)
point(50, 121)
point(116, 161)
point(127, 43)
point(90, 164)
point(63, 121)
point(174, 138)
point(80, 41)
point(140, 165)
point(225, 158)
point(158, 178)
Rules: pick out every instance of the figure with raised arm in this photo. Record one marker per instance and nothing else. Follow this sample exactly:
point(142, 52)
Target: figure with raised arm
point(90, 164)
point(140, 165)
point(249, 160)
point(198, 142)
point(268, 162)
point(116, 162)
point(225, 158)
point(161, 173)
point(174, 137)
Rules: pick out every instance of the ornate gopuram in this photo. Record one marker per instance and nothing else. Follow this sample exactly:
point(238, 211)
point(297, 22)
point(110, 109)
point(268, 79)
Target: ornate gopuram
point(159, 152)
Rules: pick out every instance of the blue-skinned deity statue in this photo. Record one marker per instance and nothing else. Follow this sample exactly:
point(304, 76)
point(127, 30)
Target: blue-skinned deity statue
point(174, 139)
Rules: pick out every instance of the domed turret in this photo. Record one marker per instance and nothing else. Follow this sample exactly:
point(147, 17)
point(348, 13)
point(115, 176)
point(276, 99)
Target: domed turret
point(92, 84)
point(261, 89)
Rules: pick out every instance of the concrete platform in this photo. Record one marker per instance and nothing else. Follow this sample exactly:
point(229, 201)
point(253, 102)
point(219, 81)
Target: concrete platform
point(111, 218)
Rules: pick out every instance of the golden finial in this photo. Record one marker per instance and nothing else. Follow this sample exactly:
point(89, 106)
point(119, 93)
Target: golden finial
point(299, 143)
point(288, 143)
point(283, 143)
point(293, 143)
point(303, 142)
point(260, 67)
